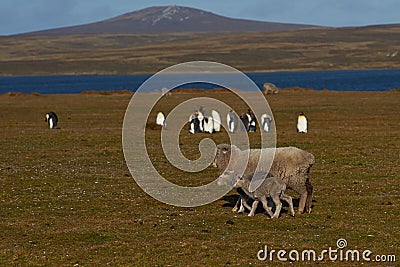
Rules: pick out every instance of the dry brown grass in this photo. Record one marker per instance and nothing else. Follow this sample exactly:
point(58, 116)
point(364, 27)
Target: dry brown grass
point(112, 92)
point(316, 49)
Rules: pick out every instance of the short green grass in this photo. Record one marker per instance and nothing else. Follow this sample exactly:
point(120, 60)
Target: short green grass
point(67, 197)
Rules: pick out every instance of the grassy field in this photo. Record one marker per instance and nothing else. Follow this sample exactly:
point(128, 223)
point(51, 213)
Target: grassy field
point(316, 49)
point(68, 199)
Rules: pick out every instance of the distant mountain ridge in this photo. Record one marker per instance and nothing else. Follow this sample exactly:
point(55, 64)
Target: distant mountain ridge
point(171, 19)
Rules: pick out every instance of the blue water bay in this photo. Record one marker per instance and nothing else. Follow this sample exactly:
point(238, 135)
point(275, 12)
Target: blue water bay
point(346, 80)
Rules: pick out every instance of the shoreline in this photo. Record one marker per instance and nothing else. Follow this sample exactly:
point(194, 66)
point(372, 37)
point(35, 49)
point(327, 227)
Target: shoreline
point(46, 74)
point(190, 91)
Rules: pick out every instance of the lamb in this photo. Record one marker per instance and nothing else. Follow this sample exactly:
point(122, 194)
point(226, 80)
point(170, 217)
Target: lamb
point(290, 164)
point(270, 187)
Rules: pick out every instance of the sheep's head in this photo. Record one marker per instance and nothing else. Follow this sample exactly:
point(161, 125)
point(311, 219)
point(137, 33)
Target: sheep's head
point(239, 183)
point(228, 178)
point(222, 156)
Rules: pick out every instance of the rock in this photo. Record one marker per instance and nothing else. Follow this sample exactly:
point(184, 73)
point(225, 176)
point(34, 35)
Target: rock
point(229, 222)
point(393, 54)
point(270, 88)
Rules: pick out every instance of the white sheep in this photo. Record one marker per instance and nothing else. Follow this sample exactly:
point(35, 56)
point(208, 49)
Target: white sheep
point(290, 164)
point(270, 187)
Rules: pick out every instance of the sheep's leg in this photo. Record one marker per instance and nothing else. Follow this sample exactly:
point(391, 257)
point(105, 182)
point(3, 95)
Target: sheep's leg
point(243, 205)
point(265, 205)
point(241, 209)
point(238, 203)
point(310, 190)
point(289, 200)
point(278, 206)
point(253, 208)
point(302, 203)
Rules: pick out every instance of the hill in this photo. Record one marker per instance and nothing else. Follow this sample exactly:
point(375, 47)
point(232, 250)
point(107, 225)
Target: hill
point(171, 19)
point(374, 47)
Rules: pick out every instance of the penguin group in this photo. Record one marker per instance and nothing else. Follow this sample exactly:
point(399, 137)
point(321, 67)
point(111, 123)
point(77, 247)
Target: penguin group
point(200, 122)
point(51, 119)
point(249, 121)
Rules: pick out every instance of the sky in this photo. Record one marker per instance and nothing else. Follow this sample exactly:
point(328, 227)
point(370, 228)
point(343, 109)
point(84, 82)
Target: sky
point(18, 16)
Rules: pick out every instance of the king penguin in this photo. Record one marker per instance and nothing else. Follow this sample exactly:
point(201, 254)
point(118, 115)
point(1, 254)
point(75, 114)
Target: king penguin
point(244, 126)
point(232, 121)
point(160, 120)
point(200, 117)
point(194, 124)
point(217, 120)
point(252, 121)
point(302, 123)
point(208, 124)
point(266, 122)
point(51, 119)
